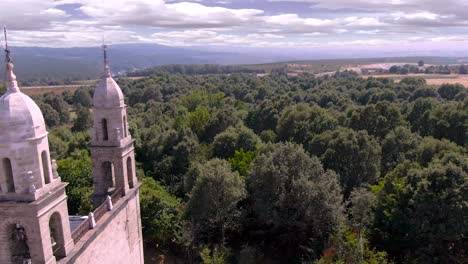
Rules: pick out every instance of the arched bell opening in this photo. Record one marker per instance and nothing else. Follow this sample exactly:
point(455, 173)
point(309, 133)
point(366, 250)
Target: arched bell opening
point(130, 177)
point(45, 167)
point(56, 236)
point(108, 176)
point(7, 172)
point(105, 134)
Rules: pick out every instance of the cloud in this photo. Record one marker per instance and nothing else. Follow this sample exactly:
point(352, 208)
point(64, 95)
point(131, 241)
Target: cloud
point(209, 38)
point(458, 8)
point(217, 22)
point(29, 14)
point(158, 13)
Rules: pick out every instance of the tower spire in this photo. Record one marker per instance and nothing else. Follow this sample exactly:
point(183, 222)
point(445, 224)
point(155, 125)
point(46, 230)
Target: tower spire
point(10, 77)
point(107, 72)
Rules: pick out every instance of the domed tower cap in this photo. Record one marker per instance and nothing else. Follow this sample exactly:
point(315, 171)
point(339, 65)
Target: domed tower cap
point(21, 119)
point(108, 93)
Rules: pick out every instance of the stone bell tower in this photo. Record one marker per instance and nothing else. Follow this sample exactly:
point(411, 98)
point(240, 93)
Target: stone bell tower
point(34, 223)
point(112, 151)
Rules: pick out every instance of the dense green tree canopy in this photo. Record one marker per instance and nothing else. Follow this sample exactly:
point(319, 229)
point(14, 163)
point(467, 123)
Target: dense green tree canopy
point(76, 170)
point(162, 216)
point(296, 201)
point(399, 145)
point(392, 154)
point(234, 138)
point(213, 204)
point(83, 119)
point(355, 156)
point(300, 123)
point(377, 120)
point(421, 212)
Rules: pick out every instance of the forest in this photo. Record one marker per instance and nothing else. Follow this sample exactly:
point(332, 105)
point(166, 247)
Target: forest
point(285, 169)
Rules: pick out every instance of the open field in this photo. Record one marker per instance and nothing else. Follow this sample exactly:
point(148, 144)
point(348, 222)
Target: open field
point(38, 90)
point(431, 79)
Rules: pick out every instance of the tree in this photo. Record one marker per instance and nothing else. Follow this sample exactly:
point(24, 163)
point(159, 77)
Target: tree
point(377, 120)
point(232, 139)
point(51, 117)
point(83, 119)
point(212, 208)
point(419, 116)
point(347, 247)
point(301, 122)
point(430, 149)
point(198, 120)
point(242, 161)
point(449, 91)
point(59, 105)
point(425, 92)
point(162, 214)
point(449, 121)
point(83, 98)
point(463, 70)
point(399, 145)
point(355, 156)
point(421, 63)
point(265, 115)
point(420, 213)
point(219, 255)
point(219, 121)
point(76, 170)
point(296, 202)
point(394, 69)
point(57, 146)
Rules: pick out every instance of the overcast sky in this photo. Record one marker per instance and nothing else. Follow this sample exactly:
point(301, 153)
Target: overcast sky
point(430, 24)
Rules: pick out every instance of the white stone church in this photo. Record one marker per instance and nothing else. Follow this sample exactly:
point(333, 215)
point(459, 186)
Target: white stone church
point(35, 226)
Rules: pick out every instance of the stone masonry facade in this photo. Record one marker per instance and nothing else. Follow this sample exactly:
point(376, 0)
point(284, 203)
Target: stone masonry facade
point(35, 226)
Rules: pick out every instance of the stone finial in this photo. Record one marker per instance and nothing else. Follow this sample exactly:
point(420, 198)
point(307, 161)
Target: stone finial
point(32, 187)
point(92, 221)
point(109, 203)
point(10, 77)
point(54, 169)
point(107, 73)
point(118, 134)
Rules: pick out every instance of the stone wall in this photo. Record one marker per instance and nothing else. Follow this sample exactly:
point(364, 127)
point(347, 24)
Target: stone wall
point(117, 237)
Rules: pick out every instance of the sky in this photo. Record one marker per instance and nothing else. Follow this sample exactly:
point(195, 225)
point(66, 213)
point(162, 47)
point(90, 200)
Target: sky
point(390, 24)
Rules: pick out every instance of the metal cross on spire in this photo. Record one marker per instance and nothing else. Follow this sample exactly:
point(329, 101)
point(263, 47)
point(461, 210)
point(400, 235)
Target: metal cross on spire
point(7, 50)
point(107, 72)
point(104, 48)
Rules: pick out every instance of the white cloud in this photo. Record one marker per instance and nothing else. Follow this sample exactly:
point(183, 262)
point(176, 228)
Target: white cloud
point(158, 13)
point(29, 14)
point(207, 37)
point(170, 22)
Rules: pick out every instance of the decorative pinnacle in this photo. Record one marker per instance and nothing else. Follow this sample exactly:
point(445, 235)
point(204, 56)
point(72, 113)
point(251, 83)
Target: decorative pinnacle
point(10, 77)
point(7, 50)
point(107, 72)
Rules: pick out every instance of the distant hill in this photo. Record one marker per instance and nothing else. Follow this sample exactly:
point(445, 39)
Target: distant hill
point(86, 63)
point(50, 64)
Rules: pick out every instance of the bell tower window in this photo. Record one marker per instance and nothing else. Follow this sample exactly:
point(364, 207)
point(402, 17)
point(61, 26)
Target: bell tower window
point(125, 126)
point(8, 174)
point(56, 236)
point(105, 134)
point(131, 184)
point(45, 167)
point(108, 176)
